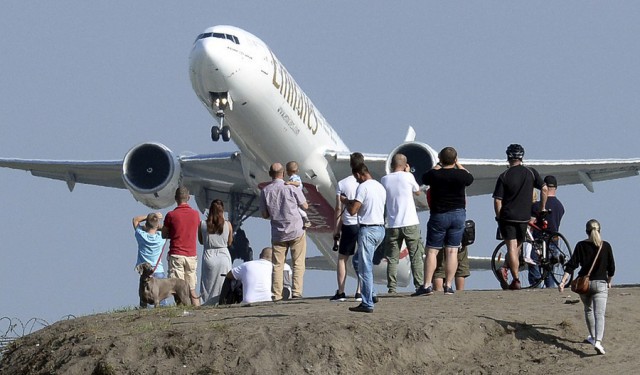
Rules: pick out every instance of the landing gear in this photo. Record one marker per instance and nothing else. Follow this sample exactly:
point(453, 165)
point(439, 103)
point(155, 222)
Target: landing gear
point(221, 103)
point(225, 132)
point(217, 132)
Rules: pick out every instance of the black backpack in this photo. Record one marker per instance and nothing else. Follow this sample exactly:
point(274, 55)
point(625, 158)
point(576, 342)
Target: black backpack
point(469, 234)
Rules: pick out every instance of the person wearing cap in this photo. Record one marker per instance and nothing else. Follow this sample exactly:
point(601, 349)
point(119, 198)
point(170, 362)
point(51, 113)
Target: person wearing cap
point(555, 212)
point(512, 206)
point(554, 206)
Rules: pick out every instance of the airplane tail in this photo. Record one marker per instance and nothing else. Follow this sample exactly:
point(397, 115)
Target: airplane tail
point(411, 135)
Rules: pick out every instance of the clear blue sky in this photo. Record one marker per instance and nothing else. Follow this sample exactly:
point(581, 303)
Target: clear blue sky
point(83, 80)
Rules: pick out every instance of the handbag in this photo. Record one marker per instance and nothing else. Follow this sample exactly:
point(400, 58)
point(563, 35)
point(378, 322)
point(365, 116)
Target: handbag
point(581, 283)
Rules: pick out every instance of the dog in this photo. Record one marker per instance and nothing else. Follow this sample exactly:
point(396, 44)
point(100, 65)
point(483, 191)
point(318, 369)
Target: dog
point(153, 290)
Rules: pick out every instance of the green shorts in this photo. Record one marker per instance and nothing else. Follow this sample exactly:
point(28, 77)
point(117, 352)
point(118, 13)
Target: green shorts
point(463, 264)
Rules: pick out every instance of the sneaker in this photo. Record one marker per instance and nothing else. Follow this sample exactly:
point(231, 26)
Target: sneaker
point(375, 299)
point(590, 340)
point(515, 285)
point(361, 308)
point(296, 296)
point(598, 347)
point(422, 291)
point(358, 297)
point(448, 290)
point(338, 297)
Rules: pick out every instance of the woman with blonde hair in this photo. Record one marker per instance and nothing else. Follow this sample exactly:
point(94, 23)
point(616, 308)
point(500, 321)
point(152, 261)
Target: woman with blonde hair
point(216, 234)
point(588, 251)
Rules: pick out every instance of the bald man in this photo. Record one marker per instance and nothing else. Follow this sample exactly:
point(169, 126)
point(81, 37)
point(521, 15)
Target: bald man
point(279, 202)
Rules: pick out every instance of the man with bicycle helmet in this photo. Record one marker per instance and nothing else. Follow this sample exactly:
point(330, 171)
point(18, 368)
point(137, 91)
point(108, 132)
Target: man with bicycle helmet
point(512, 205)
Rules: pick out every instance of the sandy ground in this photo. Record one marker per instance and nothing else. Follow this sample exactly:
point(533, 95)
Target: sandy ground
point(472, 332)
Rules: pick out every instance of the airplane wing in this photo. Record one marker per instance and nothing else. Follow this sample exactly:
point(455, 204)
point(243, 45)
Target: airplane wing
point(486, 171)
point(100, 172)
point(567, 172)
point(208, 176)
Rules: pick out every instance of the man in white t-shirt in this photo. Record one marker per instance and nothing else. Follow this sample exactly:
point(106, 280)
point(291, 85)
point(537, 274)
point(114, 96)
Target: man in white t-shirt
point(402, 222)
point(368, 204)
point(346, 231)
point(255, 276)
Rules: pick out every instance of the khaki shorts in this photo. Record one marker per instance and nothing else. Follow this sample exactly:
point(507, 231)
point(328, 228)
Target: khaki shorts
point(184, 268)
point(463, 264)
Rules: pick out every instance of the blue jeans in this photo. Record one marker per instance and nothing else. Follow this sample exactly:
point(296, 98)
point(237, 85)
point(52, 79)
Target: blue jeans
point(595, 305)
point(369, 238)
point(534, 271)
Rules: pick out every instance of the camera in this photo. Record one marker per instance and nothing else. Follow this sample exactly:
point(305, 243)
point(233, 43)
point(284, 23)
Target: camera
point(336, 242)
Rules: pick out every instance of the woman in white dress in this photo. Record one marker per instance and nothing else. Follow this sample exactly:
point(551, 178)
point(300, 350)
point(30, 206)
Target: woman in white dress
point(216, 234)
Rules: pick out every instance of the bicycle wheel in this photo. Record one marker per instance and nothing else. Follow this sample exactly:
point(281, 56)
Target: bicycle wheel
point(500, 268)
point(559, 253)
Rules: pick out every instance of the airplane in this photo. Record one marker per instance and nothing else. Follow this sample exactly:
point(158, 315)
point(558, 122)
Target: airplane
point(258, 105)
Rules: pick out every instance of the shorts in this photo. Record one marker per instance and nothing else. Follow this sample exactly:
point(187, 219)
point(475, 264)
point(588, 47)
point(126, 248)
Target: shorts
point(348, 239)
point(511, 230)
point(185, 268)
point(445, 229)
point(463, 264)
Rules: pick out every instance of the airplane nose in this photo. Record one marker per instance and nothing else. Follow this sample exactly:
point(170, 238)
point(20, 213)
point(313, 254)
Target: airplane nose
point(206, 74)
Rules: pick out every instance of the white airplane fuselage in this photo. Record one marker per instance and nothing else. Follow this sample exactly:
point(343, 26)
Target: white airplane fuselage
point(271, 120)
point(270, 117)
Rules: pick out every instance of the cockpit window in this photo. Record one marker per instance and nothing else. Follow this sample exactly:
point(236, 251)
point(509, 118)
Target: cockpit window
point(232, 38)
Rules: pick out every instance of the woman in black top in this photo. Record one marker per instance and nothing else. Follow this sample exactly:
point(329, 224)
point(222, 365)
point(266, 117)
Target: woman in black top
point(595, 301)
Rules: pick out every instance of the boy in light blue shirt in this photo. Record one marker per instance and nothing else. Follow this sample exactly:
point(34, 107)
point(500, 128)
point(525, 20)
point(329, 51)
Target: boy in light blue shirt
point(150, 243)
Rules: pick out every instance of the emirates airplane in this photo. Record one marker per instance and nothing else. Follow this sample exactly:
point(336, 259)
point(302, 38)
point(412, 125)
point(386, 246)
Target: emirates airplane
point(257, 104)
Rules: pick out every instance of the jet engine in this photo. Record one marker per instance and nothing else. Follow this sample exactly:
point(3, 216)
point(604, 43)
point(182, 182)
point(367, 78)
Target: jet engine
point(151, 172)
point(421, 157)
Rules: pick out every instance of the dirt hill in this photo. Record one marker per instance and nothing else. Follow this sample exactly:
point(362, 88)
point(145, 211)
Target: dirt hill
point(474, 332)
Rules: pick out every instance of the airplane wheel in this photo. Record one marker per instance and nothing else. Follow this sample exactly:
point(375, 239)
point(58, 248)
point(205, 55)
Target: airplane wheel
point(226, 133)
point(215, 133)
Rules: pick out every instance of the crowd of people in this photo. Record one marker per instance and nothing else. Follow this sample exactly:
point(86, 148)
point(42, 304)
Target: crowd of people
point(367, 213)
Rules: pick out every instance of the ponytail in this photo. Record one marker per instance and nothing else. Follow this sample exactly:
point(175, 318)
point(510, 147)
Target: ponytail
point(593, 231)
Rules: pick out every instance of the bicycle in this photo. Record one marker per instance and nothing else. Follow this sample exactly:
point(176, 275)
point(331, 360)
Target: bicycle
point(549, 253)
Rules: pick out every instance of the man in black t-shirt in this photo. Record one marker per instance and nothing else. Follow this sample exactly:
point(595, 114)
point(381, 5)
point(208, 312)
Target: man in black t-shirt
point(447, 183)
point(512, 205)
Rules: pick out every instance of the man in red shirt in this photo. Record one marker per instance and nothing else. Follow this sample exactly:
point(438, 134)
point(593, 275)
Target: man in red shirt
point(181, 227)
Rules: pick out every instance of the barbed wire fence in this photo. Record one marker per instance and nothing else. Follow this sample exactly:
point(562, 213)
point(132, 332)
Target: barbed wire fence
point(14, 328)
